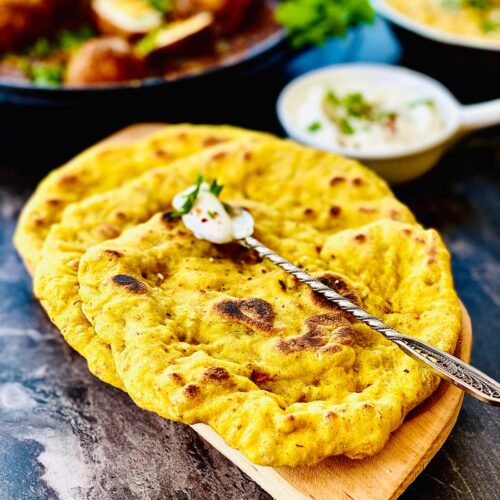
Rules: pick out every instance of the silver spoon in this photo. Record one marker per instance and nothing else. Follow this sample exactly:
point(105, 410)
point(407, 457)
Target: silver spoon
point(452, 369)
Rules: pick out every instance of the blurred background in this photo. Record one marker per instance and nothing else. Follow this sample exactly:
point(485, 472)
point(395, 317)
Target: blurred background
point(50, 125)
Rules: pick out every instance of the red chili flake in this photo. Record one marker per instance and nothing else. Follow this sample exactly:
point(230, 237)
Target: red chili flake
point(204, 220)
point(390, 123)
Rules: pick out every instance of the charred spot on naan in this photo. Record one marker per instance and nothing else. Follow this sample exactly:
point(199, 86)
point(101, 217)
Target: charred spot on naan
point(255, 313)
point(216, 374)
point(339, 285)
point(130, 284)
point(323, 332)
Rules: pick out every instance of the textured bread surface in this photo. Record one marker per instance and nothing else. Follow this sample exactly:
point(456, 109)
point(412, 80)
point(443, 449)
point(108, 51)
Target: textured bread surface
point(342, 194)
point(106, 167)
point(201, 333)
point(205, 333)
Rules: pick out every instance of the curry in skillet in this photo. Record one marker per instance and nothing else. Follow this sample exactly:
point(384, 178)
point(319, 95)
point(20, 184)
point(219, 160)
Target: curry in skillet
point(88, 42)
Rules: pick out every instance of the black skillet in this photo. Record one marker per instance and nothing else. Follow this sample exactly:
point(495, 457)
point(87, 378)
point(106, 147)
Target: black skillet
point(262, 54)
point(43, 126)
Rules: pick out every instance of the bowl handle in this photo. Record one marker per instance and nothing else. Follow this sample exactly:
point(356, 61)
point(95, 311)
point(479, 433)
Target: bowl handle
point(482, 115)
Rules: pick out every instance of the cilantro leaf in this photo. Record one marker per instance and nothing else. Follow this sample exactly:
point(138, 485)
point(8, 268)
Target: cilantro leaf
point(383, 116)
point(332, 98)
point(314, 127)
point(311, 22)
point(188, 204)
point(64, 41)
point(68, 40)
point(46, 75)
point(478, 4)
point(161, 5)
point(215, 188)
point(488, 25)
point(356, 105)
point(345, 127)
point(41, 48)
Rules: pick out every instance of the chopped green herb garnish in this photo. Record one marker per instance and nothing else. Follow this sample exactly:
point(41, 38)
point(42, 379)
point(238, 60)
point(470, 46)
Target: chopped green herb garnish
point(64, 41)
point(332, 97)
point(161, 5)
point(312, 22)
point(484, 8)
point(190, 198)
point(69, 40)
point(478, 4)
point(451, 4)
point(215, 188)
point(314, 127)
point(475, 4)
point(343, 111)
point(421, 102)
point(488, 25)
point(346, 127)
point(46, 75)
point(356, 105)
point(41, 48)
point(211, 214)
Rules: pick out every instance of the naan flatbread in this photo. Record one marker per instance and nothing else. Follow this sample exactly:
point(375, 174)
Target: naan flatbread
point(106, 167)
point(207, 333)
point(324, 191)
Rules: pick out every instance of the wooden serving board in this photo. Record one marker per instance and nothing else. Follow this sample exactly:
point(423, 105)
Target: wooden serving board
point(381, 477)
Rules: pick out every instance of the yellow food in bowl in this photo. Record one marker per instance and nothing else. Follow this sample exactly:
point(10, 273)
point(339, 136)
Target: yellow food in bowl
point(462, 17)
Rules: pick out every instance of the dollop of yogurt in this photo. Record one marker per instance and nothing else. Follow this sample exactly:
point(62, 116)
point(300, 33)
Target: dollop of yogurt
point(209, 220)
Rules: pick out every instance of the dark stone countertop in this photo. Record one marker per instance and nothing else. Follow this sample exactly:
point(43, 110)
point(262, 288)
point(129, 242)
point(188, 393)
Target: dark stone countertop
point(64, 434)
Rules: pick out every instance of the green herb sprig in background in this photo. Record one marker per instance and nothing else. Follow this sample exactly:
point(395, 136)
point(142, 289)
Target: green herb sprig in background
point(64, 41)
point(161, 5)
point(46, 75)
point(311, 22)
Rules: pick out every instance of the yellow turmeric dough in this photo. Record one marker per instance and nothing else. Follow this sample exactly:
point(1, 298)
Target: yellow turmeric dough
point(105, 167)
point(207, 333)
point(324, 191)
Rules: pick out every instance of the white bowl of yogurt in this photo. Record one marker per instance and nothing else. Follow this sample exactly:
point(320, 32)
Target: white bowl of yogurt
point(397, 121)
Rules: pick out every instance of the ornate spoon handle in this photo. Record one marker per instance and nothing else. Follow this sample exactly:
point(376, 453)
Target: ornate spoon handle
point(449, 367)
